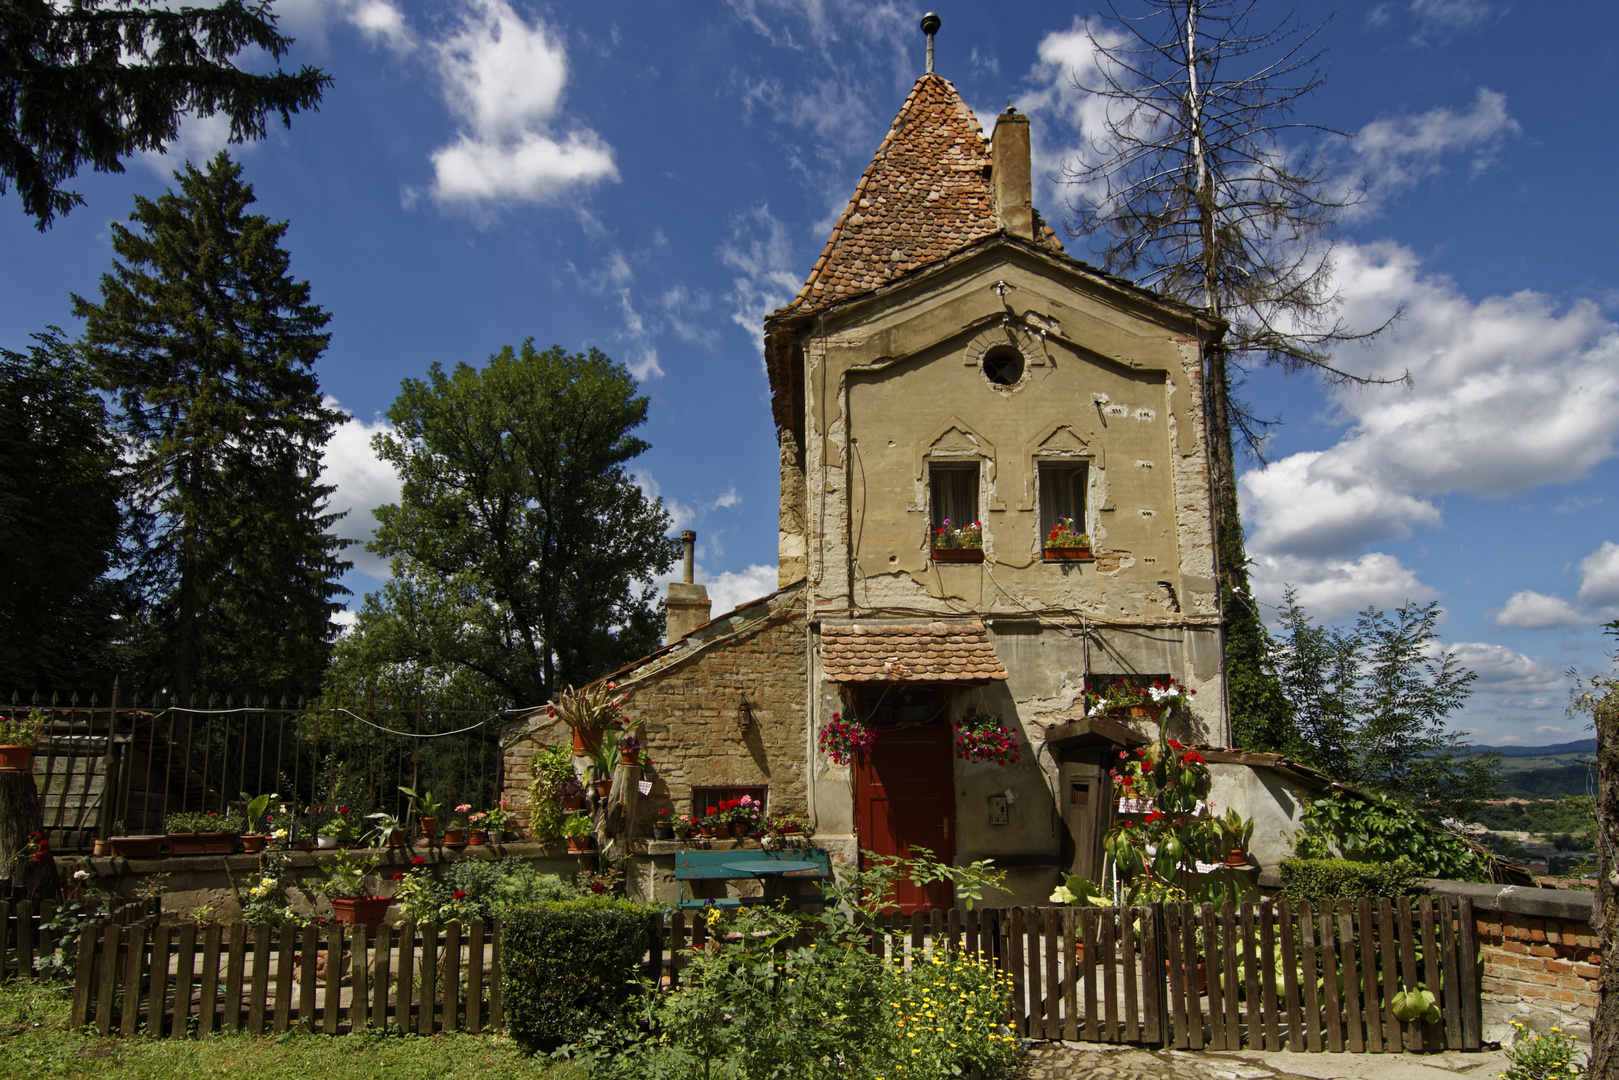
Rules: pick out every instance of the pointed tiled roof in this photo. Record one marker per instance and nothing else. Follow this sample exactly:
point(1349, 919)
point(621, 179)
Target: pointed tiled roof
point(926, 194)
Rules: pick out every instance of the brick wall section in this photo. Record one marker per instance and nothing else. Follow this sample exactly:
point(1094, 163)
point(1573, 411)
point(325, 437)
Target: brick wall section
point(687, 698)
point(1539, 968)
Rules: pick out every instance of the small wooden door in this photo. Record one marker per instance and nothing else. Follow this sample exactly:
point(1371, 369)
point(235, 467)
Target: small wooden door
point(905, 797)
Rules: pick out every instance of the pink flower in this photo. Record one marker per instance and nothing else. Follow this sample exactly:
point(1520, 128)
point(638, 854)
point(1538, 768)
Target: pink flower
point(463, 808)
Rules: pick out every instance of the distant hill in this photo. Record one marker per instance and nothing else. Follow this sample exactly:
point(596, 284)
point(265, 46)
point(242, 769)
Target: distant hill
point(1545, 772)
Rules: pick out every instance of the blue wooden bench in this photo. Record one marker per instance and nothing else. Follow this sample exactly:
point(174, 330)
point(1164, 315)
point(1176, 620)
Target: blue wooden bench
point(706, 871)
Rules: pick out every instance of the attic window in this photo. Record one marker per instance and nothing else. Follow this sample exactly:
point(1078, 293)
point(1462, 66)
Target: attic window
point(1003, 365)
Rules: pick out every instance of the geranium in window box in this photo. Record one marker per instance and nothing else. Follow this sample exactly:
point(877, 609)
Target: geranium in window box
point(963, 544)
point(981, 736)
point(1065, 543)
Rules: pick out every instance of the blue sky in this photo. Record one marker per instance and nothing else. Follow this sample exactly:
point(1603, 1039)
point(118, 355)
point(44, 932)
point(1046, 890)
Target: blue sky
point(652, 178)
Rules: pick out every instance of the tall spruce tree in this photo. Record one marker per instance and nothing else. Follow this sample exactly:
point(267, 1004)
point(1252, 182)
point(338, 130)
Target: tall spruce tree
point(59, 522)
point(208, 347)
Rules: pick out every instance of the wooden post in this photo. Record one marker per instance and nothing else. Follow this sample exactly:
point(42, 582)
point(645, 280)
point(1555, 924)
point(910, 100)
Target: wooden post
point(497, 1018)
point(235, 961)
point(1014, 938)
point(260, 988)
point(1451, 977)
point(1267, 968)
point(1223, 1032)
point(475, 977)
point(107, 977)
point(307, 955)
point(1366, 934)
point(185, 959)
point(85, 969)
point(407, 969)
point(428, 984)
point(1290, 975)
point(1472, 1017)
point(1332, 1011)
point(450, 975)
point(1250, 978)
point(1312, 997)
point(134, 965)
point(360, 988)
point(1110, 996)
point(1154, 1005)
point(380, 958)
point(1176, 1011)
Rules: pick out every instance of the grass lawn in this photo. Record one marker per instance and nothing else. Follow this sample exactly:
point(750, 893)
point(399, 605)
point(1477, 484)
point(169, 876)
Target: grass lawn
point(36, 1042)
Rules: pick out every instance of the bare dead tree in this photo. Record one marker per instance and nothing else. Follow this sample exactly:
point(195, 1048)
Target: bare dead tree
point(1203, 185)
point(1600, 700)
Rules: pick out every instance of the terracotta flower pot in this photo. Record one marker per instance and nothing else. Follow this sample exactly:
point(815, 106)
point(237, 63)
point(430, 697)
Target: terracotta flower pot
point(958, 554)
point(137, 847)
point(366, 911)
point(629, 757)
point(572, 802)
point(15, 758)
point(101, 847)
point(708, 830)
point(253, 843)
point(428, 826)
point(1238, 857)
point(586, 740)
point(396, 838)
point(604, 788)
point(477, 837)
point(202, 843)
point(1061, 554)
point(581, 843)
point(304, 845)
point(455, 838)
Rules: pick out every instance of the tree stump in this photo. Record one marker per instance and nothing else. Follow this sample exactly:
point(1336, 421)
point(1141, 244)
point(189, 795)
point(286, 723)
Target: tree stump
point(30, 876)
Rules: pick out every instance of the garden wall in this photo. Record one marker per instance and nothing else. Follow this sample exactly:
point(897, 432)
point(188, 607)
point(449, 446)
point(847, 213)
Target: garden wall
point(1541, 959)
point(190, 883)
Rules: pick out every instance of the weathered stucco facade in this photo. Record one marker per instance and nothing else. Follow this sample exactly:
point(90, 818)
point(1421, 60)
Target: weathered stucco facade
point(945, 358)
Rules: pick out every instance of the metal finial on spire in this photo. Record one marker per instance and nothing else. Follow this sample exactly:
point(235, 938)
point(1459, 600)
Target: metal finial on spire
point(930, 26)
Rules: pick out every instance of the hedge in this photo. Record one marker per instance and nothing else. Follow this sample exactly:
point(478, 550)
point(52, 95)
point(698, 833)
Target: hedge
point(570, 966)
point(1345, 879)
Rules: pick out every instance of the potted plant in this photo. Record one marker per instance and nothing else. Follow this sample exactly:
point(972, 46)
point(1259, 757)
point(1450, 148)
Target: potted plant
point(1066, 542)
point(785, 830)
point(333, 828)
point(388, 831)
point(455, 833)
point(125, 845)
point(589, 712)
point(427, 809)
point(570, 793)
point(963, 544)
point(629, 750)
point(495, 821)
point(604, 755)
point(841, 740)
point(1237, 832)
point(663, 826)
point(745, 815)
point(981, 736)
point(18, 737)
point(197, 832)
point(477, 835)
point(712, 821)
point(579, 831)
point(345, 889)
point(688, 826)
point(255, 833)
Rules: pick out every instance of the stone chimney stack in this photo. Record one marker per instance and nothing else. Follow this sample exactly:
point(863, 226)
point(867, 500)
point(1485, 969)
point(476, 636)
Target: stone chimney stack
point(1009, 172)
point(687, 606)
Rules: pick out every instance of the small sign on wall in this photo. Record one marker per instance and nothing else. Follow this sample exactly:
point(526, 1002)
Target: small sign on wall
point(997, 810)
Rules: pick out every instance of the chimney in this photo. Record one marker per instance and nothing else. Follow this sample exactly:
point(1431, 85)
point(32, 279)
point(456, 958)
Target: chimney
point(686, 607)
point(1009, 171)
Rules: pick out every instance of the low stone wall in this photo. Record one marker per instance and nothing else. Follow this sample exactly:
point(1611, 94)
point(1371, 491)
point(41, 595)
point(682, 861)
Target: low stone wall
point(189, 883)
point(1541, 958)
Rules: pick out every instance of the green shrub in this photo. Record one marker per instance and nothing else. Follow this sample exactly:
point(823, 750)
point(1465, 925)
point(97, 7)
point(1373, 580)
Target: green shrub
point(569, 967)
point(494, 889)
point(1375, 828)
point(1345, 879)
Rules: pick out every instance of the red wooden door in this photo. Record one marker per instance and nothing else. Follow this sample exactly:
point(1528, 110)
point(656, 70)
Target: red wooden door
point(905, 797)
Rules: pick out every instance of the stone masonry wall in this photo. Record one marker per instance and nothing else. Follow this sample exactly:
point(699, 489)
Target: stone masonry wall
point(688, 699)
point(1539, 971)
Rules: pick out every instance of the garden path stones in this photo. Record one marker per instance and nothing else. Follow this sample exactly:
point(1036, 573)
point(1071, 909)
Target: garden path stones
point(1091, 1061)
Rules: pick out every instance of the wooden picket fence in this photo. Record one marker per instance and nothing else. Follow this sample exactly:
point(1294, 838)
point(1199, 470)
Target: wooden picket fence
point(172, 981)
point(1268, 976)
point(1176, 975)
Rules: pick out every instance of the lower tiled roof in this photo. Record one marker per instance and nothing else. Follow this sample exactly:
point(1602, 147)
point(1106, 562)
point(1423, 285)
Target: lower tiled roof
point(909, 652)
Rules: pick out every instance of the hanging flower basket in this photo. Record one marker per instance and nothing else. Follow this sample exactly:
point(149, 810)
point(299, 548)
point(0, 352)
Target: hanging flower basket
point(982, 737)
point(842, 740)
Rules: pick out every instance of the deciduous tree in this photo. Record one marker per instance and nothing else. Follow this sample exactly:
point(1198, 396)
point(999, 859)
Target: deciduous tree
point(90, 82)
point(208, 345)
point(1600, 700)
point(520, 546)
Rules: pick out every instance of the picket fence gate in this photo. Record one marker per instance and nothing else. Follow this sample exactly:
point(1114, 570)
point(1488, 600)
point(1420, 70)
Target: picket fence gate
point(1266, 976)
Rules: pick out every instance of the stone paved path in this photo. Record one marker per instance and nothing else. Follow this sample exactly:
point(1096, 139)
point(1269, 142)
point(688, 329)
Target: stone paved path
point(1071, 1061)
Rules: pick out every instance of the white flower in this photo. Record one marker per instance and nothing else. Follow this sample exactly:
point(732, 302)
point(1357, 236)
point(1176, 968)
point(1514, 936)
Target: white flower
point(81, 875)
point(1164, 693)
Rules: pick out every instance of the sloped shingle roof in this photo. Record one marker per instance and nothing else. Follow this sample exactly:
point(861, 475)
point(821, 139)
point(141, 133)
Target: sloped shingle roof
point(909, 652)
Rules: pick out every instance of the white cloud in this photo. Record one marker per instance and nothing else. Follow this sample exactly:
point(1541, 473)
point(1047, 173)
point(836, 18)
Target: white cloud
point(381, 21)
point(644, 365)
point(733, 588)
point(504, 78)
point(1552, 729)
point(761, 251)
point(1510, 393)
point(1530, 610)
point(1509, 673)
point(1396, 152)
point(1441, 18)
point(200, 138)
point(1600, 585)
point(1331, 589)
point(364, 482)
point(726, 499)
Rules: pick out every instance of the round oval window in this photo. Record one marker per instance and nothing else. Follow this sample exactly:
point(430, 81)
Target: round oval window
point(1003, 365)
